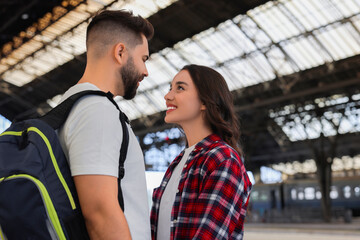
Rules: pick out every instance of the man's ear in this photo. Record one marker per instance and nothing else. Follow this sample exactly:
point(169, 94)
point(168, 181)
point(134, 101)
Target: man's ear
point(119, 51)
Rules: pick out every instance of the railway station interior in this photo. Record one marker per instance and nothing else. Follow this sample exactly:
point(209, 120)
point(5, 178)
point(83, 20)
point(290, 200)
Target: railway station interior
point(293, 67)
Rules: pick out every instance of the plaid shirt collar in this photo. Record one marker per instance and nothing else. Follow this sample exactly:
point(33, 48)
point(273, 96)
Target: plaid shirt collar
point(203, 144)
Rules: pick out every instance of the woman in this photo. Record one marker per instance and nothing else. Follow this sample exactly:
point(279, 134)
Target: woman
point(205, 191)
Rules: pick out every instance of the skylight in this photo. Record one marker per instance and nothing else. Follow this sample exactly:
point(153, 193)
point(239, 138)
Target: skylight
point(61, 41)
point(275, 39)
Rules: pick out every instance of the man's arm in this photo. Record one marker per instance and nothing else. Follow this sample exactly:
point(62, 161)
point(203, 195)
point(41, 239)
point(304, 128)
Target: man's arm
point(98, 196)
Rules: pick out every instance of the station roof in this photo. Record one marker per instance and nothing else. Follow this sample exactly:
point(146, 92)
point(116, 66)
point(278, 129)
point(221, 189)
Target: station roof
point(293, 65)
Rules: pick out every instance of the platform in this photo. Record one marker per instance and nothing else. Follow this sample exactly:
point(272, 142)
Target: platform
point(296, 231)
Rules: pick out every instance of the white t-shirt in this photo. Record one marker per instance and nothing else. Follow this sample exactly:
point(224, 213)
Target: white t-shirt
point(91, 138)
point(168, 198)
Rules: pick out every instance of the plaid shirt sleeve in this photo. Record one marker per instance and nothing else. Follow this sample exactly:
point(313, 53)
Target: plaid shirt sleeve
point(218, 212)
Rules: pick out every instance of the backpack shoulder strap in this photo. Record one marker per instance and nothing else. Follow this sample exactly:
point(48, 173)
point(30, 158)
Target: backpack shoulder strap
point(123, 153)
point(58, 115)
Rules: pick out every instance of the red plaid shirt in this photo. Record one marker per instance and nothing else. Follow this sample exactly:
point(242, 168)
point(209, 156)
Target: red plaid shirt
point(213, 194)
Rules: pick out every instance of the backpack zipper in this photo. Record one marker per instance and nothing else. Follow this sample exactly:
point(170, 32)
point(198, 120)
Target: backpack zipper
point(53, 159)
point(49, 207)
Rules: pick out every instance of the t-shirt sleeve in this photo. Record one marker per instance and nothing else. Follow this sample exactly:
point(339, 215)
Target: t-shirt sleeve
point(93, 136)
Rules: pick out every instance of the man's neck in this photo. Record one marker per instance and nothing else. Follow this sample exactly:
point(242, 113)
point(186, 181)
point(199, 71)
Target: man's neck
point(101, 76)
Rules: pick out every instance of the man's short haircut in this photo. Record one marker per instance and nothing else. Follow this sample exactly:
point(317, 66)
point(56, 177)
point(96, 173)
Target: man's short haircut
point(112, 26)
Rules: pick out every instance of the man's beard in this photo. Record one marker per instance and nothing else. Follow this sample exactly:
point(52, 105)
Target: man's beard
point(130, 78)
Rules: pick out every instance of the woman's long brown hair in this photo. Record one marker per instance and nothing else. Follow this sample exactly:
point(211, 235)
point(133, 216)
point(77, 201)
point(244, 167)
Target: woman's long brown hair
point(215, 94)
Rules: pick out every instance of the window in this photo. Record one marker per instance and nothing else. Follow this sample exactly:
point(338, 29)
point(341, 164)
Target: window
point(309, 193)
point(301, 195)
point(318, 194)
point(357, 191)
point(263, 196)
point(293, 194)
point(254, 195)
point(347, 191)
point(334, 194)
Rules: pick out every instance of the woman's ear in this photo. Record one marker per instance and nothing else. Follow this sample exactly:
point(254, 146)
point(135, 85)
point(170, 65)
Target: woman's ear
point(119, 52)
point(203, 107)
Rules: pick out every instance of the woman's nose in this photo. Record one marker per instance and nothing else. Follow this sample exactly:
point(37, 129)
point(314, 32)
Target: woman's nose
point(168, 96)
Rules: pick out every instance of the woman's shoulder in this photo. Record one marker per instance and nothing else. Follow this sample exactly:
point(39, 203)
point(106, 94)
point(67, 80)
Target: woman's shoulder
point(223, 148)
point(220, 151)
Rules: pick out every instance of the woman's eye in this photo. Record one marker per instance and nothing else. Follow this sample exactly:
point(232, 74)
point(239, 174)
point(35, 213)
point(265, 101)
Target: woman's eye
point(180, 88)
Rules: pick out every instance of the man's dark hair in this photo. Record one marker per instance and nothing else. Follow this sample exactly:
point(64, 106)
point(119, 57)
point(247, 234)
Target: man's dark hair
point(110, 26)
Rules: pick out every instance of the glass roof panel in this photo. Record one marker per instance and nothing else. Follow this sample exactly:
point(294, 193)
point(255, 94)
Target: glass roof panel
point(347, 8)
point(10, 61)
point(338, 46)
point(157, 98)
point(232, 81)
point(129, 108)
point(17, 77)
point(192, 52)
point(154, 97)
point(243, 73)
point(262, 66)
point(3, 68)
point(143, 8)
point(155, 105)
point(160, 72)
point(252, 31)
point(225, 43)
point(311, 13)
point(239, 41)
point(275, 23)
point(280, 62)
point(340, 116)
point(305, 52)
point(68, 33)
point(174, 58)
point(143, 105)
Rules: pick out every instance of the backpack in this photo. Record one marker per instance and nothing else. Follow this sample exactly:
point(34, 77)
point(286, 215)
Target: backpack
point(38, 199)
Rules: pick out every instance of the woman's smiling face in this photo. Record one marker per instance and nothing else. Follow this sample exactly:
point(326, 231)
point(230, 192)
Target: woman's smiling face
point(182, 101)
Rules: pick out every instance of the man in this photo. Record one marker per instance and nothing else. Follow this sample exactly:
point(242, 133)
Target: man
point(117, 49)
